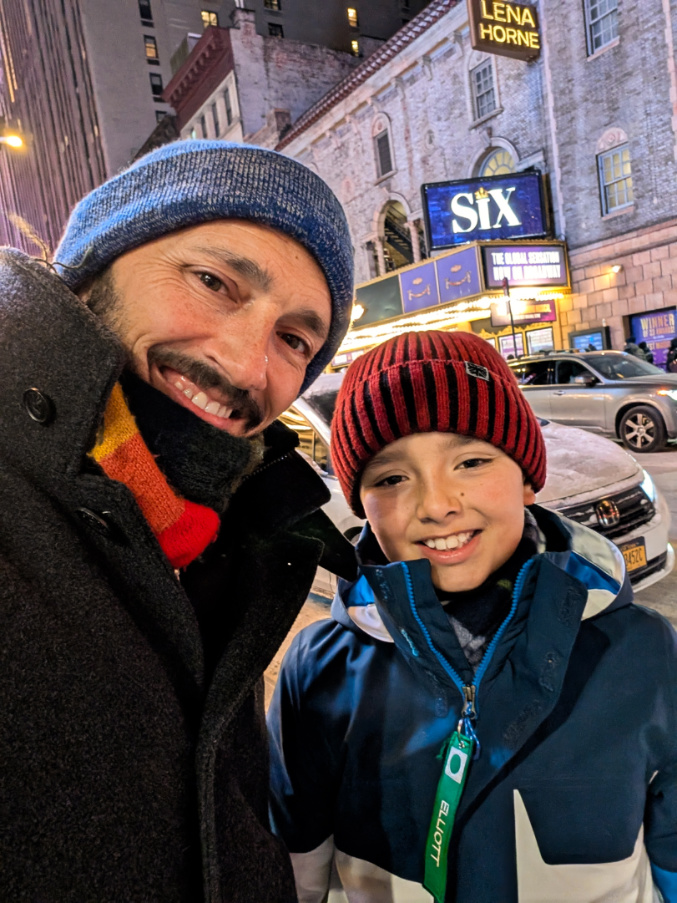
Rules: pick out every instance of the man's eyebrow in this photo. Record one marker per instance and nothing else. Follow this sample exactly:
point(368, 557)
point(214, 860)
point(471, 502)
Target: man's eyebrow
point(245, 266)
point(312, 321)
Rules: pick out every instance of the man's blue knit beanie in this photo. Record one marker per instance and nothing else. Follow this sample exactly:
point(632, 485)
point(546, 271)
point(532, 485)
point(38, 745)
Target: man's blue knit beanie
point(190, 182)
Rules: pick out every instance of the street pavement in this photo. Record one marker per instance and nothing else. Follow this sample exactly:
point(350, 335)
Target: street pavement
point(662, 596)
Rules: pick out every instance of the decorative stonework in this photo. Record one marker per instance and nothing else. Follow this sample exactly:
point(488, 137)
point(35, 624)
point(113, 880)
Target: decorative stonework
point(611, 138)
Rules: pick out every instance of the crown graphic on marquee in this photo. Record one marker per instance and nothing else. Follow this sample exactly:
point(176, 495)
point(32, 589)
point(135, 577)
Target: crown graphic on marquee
point(481, 194)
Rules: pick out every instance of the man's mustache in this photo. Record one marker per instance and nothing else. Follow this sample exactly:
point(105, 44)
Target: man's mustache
point(206, 377)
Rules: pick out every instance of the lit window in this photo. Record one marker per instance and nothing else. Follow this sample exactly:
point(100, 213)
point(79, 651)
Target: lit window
point(209, 18)
point(229, 108)
point(275, 30)
point(156, 85)
point(273, 4)
point(615, 179)
point(601, 21)
point(499, 163)
point(484, 93)
point(384, 158)
point(151, 47)
point(215, 118)
point(352, 17)
point(145, 11)
point(355, 48)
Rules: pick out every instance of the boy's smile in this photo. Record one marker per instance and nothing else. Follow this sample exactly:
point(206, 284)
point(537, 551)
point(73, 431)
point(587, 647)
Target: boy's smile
point(455, 500)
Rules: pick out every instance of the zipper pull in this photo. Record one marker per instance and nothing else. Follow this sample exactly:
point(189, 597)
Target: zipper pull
point(469, 717)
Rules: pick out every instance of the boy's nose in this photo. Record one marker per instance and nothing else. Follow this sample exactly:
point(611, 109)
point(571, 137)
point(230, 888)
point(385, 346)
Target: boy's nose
point(438, 501)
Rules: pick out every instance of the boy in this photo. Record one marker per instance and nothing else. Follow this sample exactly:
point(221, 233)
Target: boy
point(488, 718)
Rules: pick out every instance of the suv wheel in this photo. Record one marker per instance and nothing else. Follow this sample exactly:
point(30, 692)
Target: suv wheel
point(642, 429)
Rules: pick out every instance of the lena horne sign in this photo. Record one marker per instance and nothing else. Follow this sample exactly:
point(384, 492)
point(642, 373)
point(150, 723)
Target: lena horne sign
point(491, 208)
point(509, 29)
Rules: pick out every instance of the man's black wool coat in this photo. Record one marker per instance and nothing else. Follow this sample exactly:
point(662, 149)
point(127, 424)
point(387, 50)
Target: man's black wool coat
point(133, 763)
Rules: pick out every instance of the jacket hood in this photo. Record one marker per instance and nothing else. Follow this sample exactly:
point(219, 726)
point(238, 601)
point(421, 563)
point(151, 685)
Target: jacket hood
point(577, 551)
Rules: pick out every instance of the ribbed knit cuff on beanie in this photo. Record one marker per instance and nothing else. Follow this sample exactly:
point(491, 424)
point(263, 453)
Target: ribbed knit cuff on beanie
point(419, 382)
point(186, 183)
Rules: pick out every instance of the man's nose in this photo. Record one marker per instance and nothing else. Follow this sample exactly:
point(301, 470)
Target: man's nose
point(243, 358)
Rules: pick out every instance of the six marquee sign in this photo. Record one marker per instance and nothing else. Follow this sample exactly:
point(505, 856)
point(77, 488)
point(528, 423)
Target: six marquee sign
point(493, 208)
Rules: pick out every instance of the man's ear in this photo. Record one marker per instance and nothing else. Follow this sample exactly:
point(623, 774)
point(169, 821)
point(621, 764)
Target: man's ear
point(529, 494)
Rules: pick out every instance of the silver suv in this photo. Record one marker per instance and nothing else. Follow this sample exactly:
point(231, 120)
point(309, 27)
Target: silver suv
point(608, 392)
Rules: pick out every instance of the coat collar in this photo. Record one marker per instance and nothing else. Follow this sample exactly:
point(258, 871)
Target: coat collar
point(56, 346)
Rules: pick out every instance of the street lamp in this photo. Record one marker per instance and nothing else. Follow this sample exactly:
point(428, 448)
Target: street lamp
point(11, 140)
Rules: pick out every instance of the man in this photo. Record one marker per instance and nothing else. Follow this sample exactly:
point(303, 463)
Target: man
point(158, 532)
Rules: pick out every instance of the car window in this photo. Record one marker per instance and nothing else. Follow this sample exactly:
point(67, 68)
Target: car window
point(567, 371)
point(309, 441)
point(622, 366)
point(532, 373)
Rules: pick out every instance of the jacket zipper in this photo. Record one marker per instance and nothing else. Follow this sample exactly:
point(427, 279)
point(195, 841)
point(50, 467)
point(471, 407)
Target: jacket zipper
point(469, 712)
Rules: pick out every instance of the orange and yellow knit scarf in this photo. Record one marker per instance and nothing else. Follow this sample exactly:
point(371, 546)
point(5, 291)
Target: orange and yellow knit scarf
point(184, 529)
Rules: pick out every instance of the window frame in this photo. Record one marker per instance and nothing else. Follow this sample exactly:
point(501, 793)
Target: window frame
point(273, 5)
point(215, 119)
point(155, 81)
point(209, 14)
point(146, 4)
point(275, 30)
point(149, 40)
point(484, 66)
point(383, 133)
point(229, 107)
point(604, 185)
point(591, 24)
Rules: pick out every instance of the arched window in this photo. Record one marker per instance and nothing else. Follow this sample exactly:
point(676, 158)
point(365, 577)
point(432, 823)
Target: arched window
point(499, 162)
point(382, 146)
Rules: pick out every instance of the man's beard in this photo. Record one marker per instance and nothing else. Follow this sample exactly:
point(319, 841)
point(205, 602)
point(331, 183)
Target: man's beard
point(104, 301)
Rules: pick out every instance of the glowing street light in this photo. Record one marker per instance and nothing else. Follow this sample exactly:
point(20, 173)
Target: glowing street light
point(11, 140)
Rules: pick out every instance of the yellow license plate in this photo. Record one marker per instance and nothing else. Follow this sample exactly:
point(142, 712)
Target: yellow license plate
point(635, 555)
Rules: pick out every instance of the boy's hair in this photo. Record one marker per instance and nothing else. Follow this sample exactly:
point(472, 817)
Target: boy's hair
point(422, 382)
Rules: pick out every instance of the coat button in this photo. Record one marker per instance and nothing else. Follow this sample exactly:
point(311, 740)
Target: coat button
point(96, 521)
point(38, 406)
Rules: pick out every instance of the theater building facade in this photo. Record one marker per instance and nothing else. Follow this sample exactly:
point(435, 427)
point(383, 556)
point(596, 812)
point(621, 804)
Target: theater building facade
point(431, 143)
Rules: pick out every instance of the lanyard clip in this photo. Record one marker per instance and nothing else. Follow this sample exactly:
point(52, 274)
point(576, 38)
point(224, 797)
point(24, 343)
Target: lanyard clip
point(469, 717)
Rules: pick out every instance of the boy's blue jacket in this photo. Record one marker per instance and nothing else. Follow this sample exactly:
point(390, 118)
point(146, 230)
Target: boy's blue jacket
point(574, 795)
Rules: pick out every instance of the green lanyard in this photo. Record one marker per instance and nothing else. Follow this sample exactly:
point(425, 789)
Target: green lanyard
point(449, 789)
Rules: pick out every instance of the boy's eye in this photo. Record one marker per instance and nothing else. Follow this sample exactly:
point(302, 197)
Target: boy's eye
point(474, 462)
point(390, 481)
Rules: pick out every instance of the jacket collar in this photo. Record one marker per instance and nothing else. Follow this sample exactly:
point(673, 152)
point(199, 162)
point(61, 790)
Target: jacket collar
point(56, 346)
point(375, 604)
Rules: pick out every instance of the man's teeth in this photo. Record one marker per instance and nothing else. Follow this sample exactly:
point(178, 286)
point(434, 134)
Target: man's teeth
point(201, 401)
point(450, 542)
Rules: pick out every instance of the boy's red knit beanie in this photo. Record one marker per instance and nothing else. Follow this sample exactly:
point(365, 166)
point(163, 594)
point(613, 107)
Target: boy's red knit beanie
point(422, 382)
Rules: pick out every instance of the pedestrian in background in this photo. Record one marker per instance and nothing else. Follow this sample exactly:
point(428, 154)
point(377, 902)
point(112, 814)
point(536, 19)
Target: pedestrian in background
point(467, 726)
point(646, 351)
point(158, 532)
point(631, 347)
point(671, 360)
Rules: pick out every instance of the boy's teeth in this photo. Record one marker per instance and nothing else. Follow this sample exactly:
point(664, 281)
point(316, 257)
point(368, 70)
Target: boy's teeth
point(449, 542)
point(213, 408)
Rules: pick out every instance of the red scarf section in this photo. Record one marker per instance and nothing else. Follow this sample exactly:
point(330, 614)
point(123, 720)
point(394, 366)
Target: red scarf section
point(183, 528)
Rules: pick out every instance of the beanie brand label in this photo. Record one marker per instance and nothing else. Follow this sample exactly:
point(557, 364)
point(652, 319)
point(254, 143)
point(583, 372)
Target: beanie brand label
point(477, 371)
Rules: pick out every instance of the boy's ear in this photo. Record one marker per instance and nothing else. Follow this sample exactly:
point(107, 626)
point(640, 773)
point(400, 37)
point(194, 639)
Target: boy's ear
point(529, 494)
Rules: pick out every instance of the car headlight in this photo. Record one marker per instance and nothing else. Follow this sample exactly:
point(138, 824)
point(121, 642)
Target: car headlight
point(671, 393)
point(648, 486)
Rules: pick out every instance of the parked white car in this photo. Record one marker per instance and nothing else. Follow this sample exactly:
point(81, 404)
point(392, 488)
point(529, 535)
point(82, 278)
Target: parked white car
point(590, 479)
